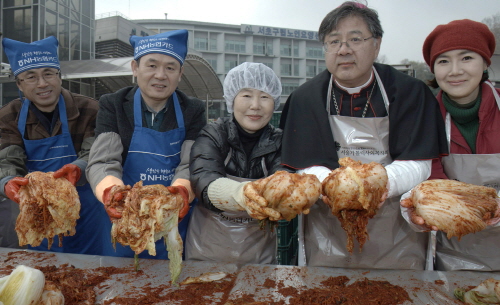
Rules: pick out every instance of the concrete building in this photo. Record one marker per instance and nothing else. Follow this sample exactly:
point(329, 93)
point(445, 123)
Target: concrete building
point(295, 55)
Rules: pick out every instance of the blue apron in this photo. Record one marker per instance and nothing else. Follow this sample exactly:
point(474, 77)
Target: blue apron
point(152, 158)
point(50, 154)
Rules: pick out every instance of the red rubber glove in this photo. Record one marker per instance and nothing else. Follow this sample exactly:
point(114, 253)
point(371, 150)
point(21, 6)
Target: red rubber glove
point(179, 189)
point(111, 199)
point(70, 171)
point(12, 188)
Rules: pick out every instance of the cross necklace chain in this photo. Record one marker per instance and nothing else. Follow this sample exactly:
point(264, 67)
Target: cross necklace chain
point(367, 102)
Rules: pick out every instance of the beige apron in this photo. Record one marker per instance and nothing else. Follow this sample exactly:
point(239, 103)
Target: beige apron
point(392, 244)
point(232, 237)
point(479, 251)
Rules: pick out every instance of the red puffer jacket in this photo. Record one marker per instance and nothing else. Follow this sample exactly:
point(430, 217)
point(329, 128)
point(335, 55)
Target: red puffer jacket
point(488, 135)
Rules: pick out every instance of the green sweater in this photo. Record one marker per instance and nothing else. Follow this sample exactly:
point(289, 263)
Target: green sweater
point(465, 117)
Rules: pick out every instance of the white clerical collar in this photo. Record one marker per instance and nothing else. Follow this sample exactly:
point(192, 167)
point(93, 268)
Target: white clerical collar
point(355, 89)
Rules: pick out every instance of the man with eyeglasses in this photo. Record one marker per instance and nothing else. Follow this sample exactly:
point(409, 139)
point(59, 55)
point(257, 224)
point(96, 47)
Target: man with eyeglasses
point(49, 129)
point(369, 112)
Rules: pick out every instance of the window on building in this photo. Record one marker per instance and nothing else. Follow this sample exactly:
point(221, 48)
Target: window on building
point(201, 43)
point(8, 3)
point(269, 64)
point(235, 46)
point(85, 20)
point(75, 41)
point(288, 88)
point(17, 23)
point(50, 23)
point(64, 38)
point(213, 63)
point(51, 4)
point(75, 16)
point(63, 8)
point(229, 64)
point(285, 50)
point(263, 48)
point(296, 51)
point(321, 68)
point(37, 25)
point(87, 10)
point(315, 52)
point(75, 5)
point(213, 44)
point(286, 69)
point(258, 48)
point(310, 70)
point(296, 71)
point(269, 49)
point(86, 42)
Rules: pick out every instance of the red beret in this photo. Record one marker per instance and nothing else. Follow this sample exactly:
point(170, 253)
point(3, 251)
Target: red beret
point(456, 35)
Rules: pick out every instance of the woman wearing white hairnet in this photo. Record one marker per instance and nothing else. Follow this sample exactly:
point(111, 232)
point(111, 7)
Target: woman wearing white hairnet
point(227, 155)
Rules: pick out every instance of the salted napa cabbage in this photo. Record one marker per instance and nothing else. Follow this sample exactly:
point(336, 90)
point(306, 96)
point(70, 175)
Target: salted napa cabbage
point(150, 213)
point(488, 292)
point(22, 287)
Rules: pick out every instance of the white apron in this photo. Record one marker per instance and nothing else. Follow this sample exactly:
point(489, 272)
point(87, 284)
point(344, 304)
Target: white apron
point(392, 243)
point(479, 251)
point(232, 237)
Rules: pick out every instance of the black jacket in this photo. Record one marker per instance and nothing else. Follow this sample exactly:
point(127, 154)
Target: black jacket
point(212, 146)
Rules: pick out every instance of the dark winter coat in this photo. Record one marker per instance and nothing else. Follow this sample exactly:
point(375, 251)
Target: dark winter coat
point(211, 149)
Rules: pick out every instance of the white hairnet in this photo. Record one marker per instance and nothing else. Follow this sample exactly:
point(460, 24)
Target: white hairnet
point(253, 76)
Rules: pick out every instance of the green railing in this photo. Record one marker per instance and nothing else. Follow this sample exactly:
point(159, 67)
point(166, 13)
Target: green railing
point(288, 242)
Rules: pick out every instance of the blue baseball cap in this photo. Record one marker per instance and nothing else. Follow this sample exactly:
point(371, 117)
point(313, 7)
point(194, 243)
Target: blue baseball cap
point(28, 56)
point(171, 43)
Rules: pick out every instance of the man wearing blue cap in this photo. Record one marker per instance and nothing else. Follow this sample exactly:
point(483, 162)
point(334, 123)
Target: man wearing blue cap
point(49, 129)
point(145, 132)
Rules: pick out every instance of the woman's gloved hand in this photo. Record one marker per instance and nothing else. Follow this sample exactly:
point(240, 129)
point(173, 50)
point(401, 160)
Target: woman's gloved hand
point(70, 171)
point(12, 187)
point(255, 204)
point(179, 189)
point(229, 195)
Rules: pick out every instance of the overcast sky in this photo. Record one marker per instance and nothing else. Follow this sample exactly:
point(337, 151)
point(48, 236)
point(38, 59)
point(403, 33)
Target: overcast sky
point(406, 23)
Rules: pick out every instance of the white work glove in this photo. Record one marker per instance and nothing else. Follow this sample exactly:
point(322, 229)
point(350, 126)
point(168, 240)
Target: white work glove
point(229, 195)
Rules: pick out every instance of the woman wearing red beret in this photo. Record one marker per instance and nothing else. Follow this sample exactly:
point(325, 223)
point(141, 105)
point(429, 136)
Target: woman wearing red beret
point(459, 54)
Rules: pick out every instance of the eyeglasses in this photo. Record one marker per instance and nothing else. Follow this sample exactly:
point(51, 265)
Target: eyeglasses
point(33, 79)
point(335, 45)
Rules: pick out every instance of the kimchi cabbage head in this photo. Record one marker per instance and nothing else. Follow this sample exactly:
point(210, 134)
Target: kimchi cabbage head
point(150, 213)
point(48, 207)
